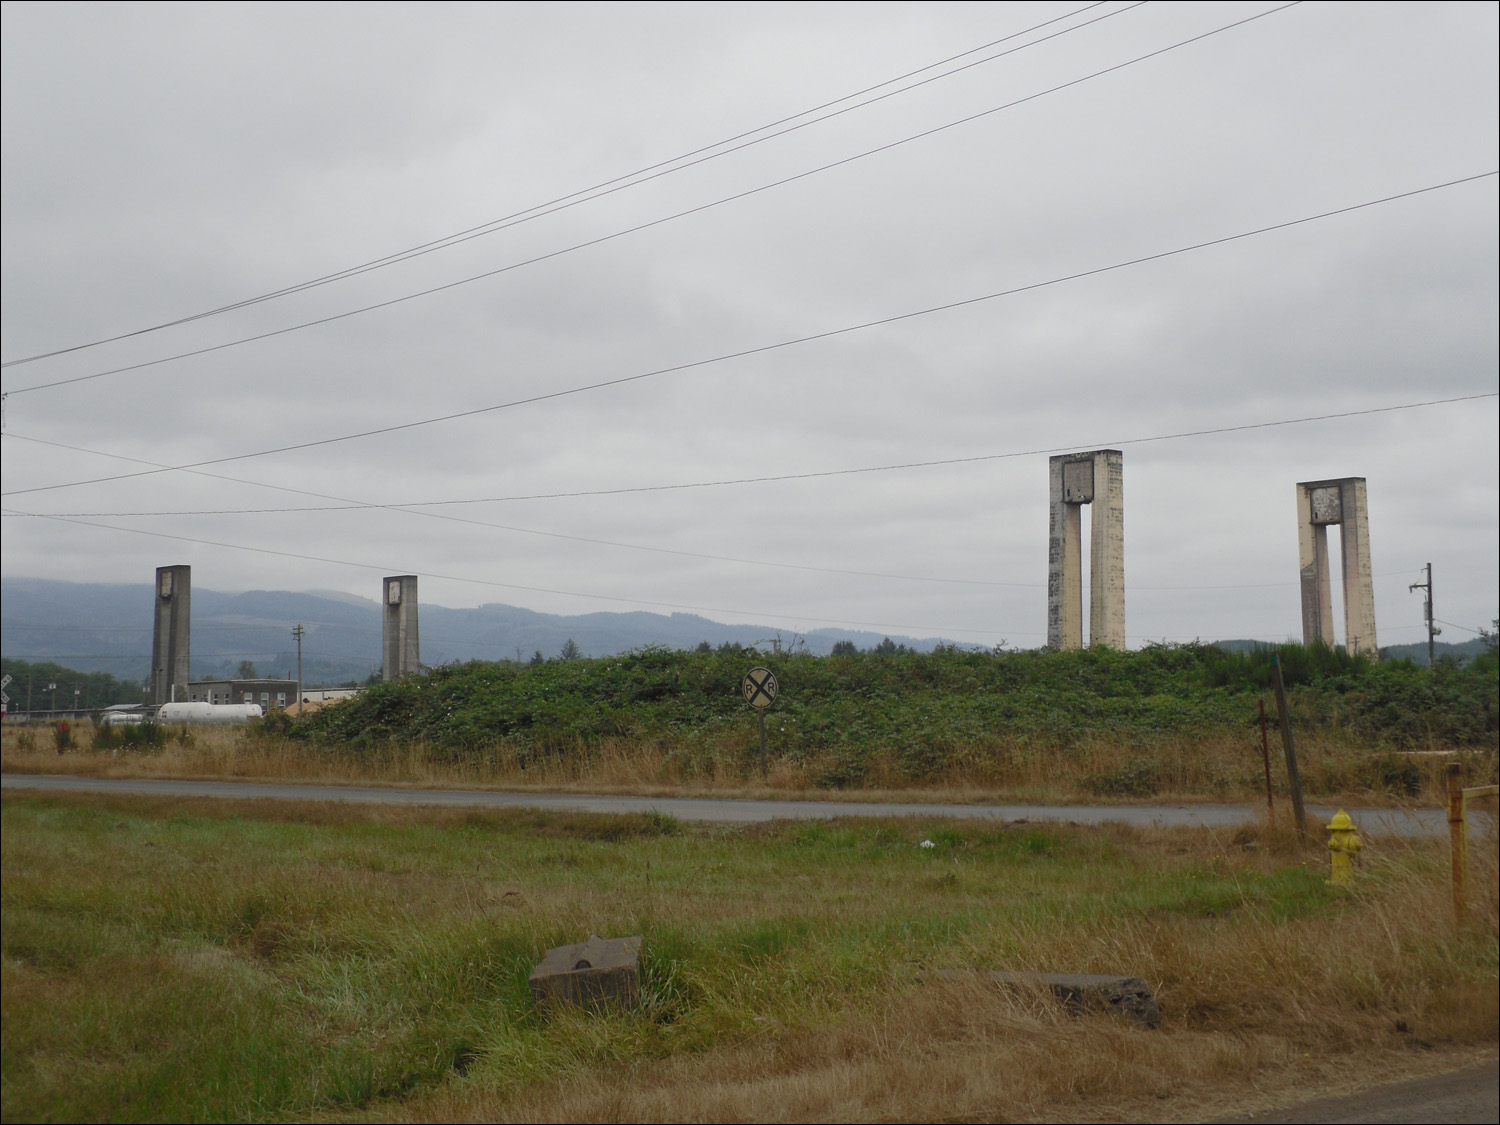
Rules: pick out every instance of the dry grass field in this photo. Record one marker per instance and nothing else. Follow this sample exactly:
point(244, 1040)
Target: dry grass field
point(1221, 767)
point(190, 959)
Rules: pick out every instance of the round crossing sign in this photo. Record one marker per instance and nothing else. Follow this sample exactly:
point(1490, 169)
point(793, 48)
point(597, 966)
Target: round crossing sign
point(760, 688)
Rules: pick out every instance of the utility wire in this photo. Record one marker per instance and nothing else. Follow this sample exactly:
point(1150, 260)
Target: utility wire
point(653, 223)
point(344, 504)
point(618, 183)
point(512, 585)
point(133, 655)
point(409, 505)
point(765, 348)
point(413, 507)
point(1451, 625)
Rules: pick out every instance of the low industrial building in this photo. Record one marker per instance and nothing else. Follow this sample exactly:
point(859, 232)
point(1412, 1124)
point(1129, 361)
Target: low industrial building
point(270, 694)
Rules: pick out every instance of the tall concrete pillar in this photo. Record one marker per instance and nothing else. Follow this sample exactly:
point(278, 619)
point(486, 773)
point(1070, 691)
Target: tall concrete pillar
point(171, 638)
point(1321, 503)
point(1097, 479)
point(402, 653)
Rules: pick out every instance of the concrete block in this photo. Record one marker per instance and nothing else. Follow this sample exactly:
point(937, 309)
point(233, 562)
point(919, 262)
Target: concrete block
point(593, 972)
point(1126, 996)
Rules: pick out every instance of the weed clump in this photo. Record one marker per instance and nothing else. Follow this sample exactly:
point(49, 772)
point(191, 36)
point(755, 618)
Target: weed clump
point(129, 736)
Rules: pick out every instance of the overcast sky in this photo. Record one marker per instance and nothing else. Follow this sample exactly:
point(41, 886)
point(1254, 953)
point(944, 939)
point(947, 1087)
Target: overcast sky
point(162, 161)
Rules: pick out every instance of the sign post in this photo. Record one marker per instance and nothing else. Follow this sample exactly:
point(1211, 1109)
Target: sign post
point(760, 688)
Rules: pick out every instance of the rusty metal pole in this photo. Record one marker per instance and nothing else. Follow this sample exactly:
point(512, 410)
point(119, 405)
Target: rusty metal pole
point(1265, 756)
point(760, 714)
point(1290, 746)
point(1458, 839)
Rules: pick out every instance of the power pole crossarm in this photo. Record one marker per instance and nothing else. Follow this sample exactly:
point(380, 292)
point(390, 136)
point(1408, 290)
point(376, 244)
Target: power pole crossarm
point(298, 633)
point(1433, 632)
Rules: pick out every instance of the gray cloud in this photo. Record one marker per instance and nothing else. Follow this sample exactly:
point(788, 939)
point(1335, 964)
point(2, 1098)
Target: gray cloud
point(161, 161)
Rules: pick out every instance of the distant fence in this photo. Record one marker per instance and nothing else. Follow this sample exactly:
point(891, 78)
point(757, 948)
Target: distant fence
point(23, 718)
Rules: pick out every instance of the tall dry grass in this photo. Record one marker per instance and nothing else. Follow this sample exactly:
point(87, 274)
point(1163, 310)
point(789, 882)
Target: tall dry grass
point(1222, 766)
point(1257, 1013)
point(239, 959)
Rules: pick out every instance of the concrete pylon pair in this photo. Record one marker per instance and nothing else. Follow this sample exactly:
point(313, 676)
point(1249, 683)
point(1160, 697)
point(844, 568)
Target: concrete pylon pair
point(1320, 505)
point(1097, 479)
point(171, 642)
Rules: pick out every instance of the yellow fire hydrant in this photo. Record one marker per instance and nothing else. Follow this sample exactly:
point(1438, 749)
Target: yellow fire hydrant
point(1343, 845)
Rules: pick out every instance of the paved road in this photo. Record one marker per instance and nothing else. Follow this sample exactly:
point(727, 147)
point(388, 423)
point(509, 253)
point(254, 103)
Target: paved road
point(1468, 1097)
point(1400, 822)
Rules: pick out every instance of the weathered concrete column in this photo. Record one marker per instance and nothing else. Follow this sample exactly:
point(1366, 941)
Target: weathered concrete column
point(1321, 503)
point(1077, 479)
point(171, 635)
point(1312, 553)
point(402, 654)
point(1107, 552)
point(1064, 565)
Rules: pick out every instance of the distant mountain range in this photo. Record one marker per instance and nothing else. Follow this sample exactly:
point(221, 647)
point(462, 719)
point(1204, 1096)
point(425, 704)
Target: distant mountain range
point(102, 628)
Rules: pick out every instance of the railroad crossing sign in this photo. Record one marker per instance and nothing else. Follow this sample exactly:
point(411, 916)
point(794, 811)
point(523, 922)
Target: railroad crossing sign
point(760, 688)
point(4, 699)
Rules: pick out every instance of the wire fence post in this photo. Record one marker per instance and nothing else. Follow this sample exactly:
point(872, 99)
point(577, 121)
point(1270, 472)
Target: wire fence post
point(1291, 750)
point(1265, 757)
point(1458, 839)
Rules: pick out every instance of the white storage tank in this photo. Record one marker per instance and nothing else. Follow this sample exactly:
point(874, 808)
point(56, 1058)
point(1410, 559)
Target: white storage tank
point(122, 718)
point(208, 713)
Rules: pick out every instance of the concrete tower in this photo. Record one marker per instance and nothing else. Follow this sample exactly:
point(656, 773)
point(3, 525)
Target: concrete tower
point(401, 651)
point(1094, 478)
point(1342, 502)
point(171, 640)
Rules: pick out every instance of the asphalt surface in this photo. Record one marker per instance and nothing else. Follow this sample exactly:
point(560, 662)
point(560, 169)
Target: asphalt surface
point(1467, 1097)
point(1396, 822)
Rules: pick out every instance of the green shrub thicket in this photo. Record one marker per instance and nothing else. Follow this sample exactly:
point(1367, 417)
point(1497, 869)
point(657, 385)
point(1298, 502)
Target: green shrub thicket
point(921, 708)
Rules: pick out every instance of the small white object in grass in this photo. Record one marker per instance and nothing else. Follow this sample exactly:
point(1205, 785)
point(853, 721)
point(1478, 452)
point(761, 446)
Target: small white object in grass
point(926, 844)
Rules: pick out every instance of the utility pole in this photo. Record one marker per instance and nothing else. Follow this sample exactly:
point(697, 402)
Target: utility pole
point(298, 633)
point(1433, 632)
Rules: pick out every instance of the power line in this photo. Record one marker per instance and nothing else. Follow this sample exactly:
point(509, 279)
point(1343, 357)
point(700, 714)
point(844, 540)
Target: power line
point(618, 183)
point(515, 586)
point(9, 625)
point(895, 467)
point(658, 222)
point(1451, 625)
point(765, 348)
point(409, 505)
point(343, 504)
point(410, 508)
point(134, 655)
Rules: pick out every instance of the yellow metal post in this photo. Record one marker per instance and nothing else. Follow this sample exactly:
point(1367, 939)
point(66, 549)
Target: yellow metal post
point(1343, 845)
